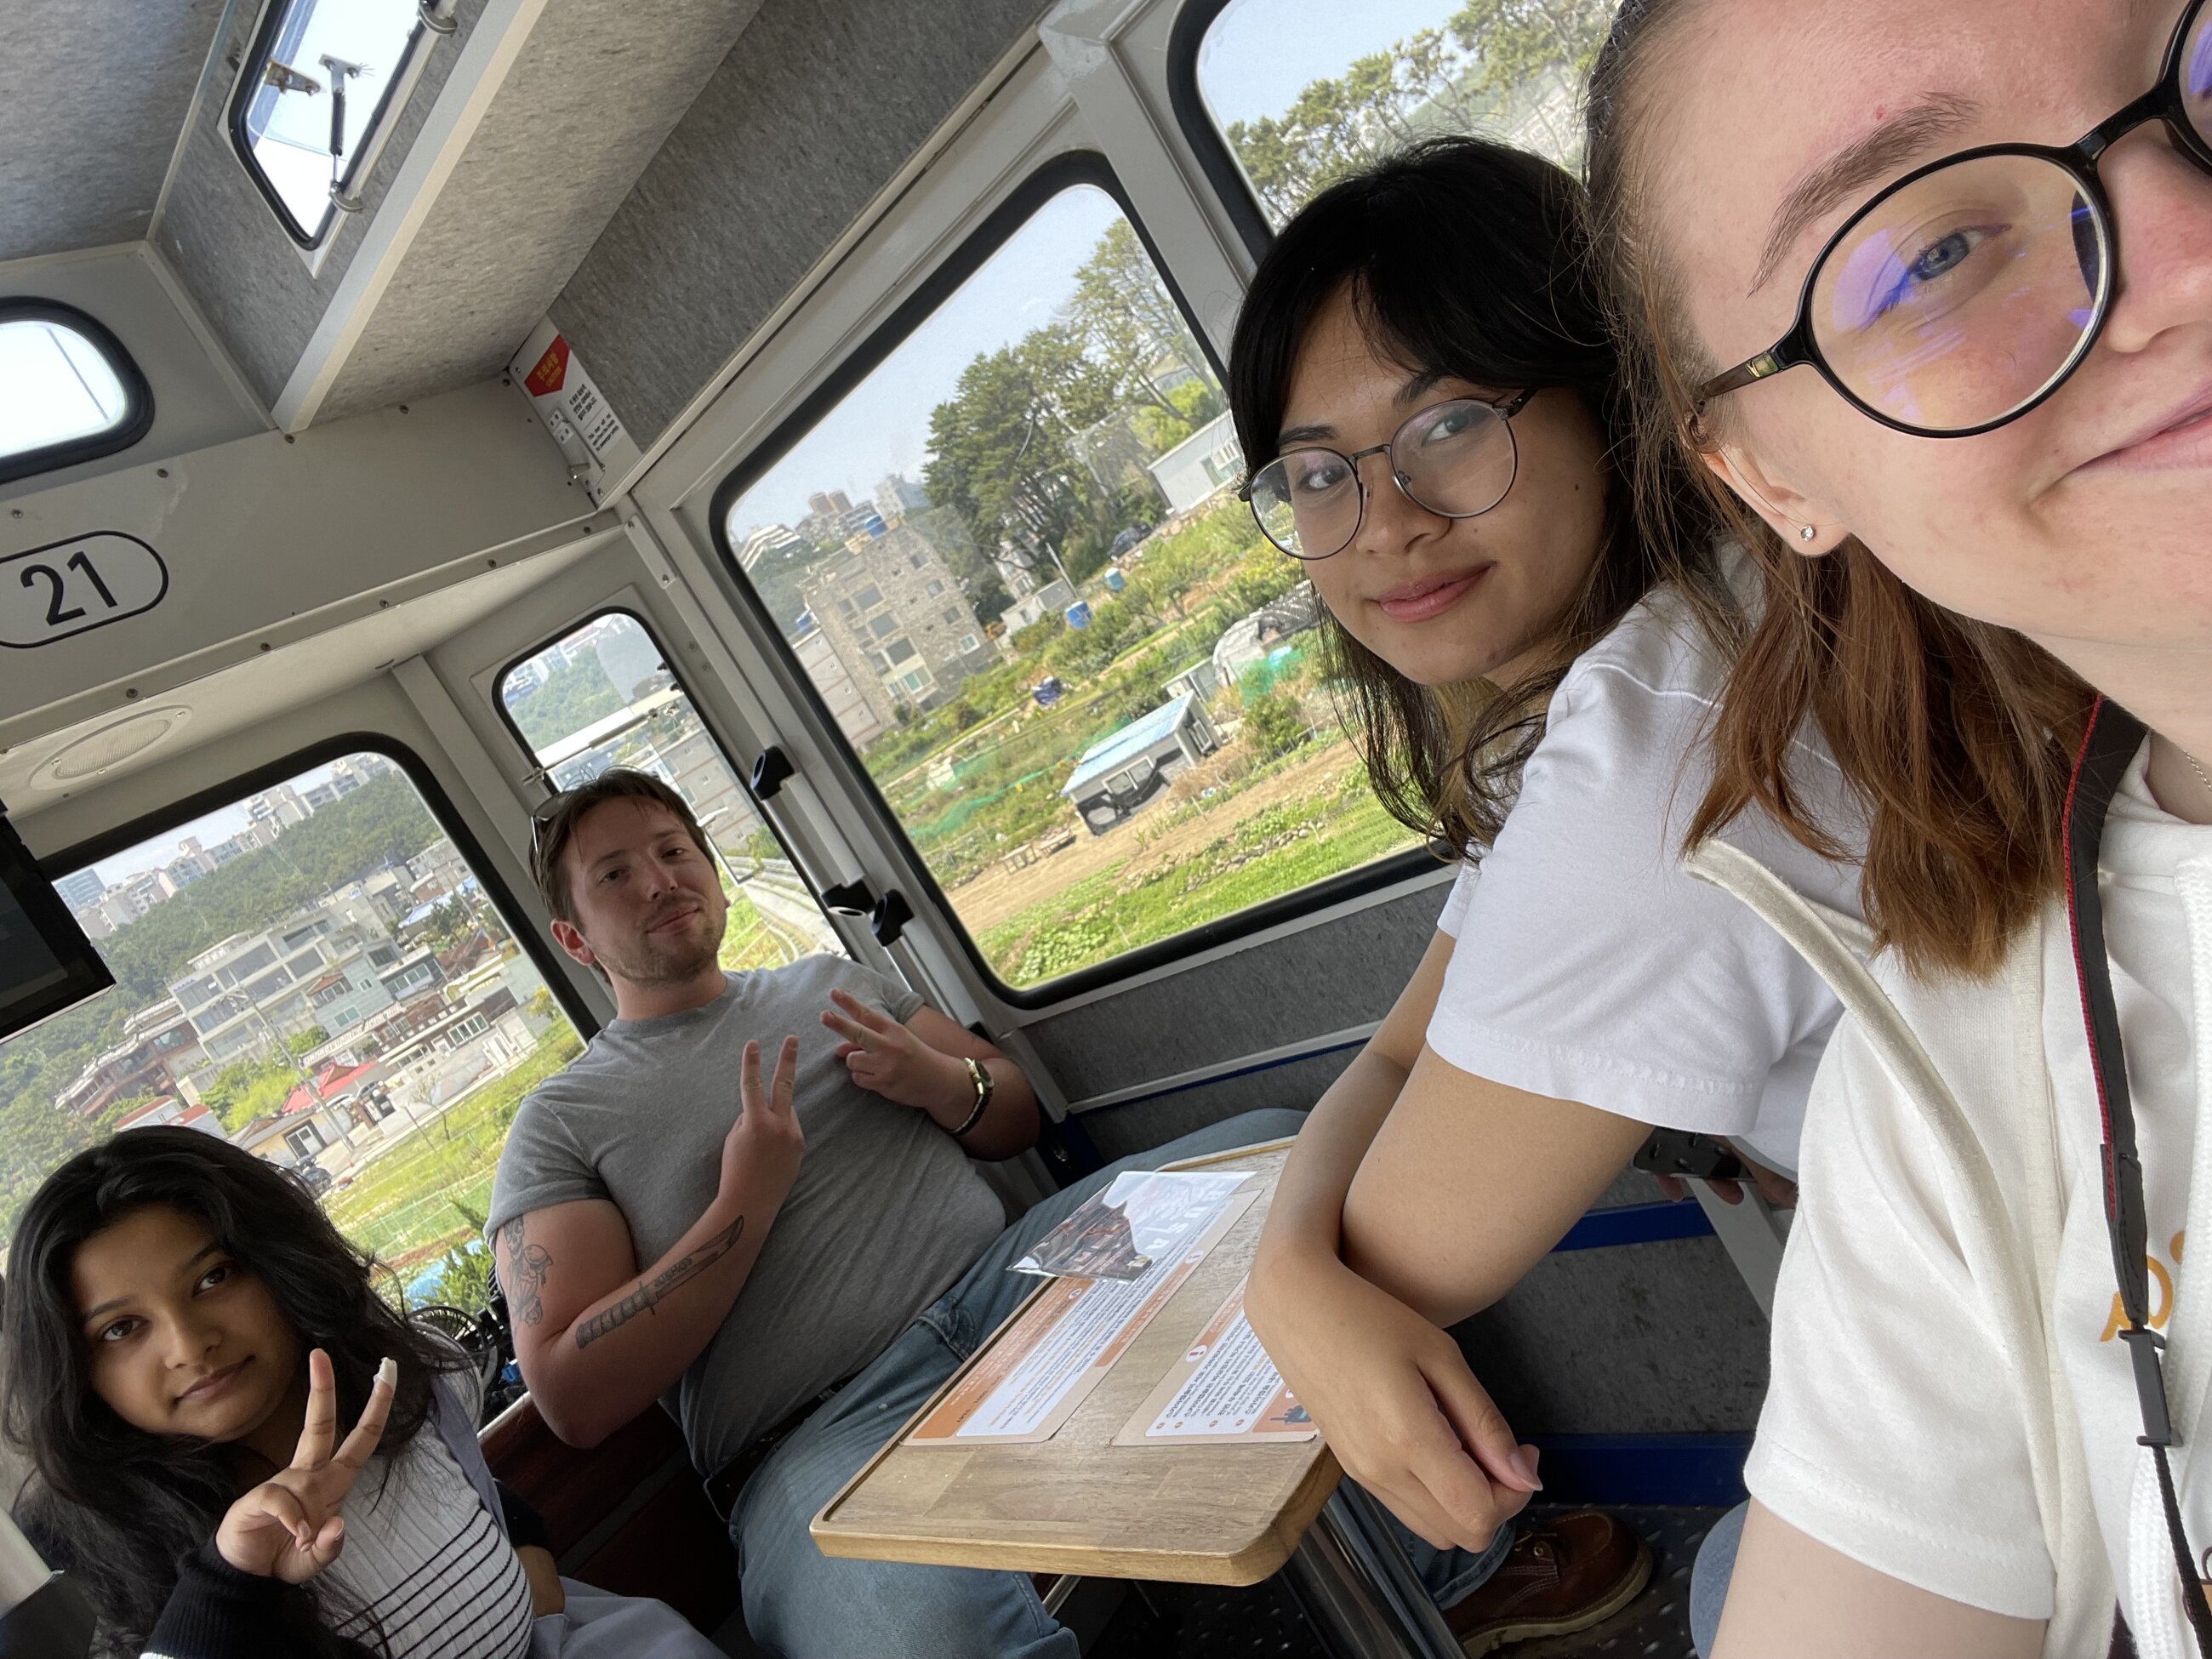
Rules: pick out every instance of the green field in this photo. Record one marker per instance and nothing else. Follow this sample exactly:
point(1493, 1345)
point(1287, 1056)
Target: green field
point(427, 1192)
point(1273, 852)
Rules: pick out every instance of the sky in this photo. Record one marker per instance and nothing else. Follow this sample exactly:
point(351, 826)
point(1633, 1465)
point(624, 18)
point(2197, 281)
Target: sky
point(219, 826)
point(1259, 54)
point(882, 426)
point(1255, 59)
point(58, 385)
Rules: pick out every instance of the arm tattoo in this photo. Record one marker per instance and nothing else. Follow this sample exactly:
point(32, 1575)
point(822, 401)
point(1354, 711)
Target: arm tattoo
point(641, 1299)
point(526, 1266)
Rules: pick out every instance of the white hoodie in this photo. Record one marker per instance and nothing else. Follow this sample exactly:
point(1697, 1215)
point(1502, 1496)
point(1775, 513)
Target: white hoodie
point(1947, 1404)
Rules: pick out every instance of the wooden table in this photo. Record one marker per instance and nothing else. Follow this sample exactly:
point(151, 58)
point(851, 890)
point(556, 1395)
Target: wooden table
point(1206, 1515)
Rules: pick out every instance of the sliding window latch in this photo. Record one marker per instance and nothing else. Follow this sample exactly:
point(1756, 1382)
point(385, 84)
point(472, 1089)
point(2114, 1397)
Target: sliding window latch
point(887, 916)
point(772, 768)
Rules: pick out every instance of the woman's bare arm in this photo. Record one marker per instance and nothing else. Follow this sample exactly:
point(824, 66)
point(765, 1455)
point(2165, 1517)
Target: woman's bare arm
point(1468, 1184)
point(1792, 1594)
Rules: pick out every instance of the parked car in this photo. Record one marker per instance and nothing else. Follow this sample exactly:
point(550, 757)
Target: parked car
point(314, 1178)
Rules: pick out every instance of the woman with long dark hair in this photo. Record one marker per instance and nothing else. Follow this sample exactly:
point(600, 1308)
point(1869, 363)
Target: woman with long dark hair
point(187, 1341)
point(1429, 399)
point(1926, 294)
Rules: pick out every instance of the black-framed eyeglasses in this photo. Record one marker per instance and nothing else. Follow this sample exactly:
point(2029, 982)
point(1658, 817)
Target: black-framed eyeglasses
point(1456, 460)
point(1964, 295)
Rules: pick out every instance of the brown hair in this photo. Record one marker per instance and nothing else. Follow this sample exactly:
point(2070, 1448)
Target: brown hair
point(1957, 735)
point(1470, 259)
point(556, 823)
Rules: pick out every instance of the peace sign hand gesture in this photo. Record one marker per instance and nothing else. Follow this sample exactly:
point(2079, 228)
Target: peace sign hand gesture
point(288, 1527)
point(886, 1058)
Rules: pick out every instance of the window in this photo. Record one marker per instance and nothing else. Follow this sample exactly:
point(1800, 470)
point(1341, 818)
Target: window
point(934, 589)
point(263, 1065)
point(317, 86)
point(1049, 401)
point(575, 724)
point(1303, 92)
point(71, 391)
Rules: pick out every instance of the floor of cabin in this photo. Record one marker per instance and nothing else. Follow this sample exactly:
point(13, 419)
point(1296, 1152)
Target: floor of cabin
point(1189, 1621)
point(1181, 1621)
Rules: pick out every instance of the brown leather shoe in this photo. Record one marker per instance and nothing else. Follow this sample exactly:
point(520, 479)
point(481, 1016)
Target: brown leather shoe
point(1565, 1575)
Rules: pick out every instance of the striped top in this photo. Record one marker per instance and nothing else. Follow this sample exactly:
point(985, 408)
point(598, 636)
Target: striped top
point(429, 1561)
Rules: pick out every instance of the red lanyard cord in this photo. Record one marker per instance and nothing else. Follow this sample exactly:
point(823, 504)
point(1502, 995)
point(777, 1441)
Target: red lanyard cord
point(2109, 747)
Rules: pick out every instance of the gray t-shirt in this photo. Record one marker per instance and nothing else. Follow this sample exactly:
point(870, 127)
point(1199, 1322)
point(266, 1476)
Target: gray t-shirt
point(885, 1214)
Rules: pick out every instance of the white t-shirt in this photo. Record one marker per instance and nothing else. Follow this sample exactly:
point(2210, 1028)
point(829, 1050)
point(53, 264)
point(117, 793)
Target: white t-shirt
point(1588, 965)
point(1898, 1428)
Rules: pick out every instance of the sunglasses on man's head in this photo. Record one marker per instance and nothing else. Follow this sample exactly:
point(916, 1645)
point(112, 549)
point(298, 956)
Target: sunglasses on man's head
point(1966, 293)
point(542, 815)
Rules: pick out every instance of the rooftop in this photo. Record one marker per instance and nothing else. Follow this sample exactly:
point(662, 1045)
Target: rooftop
point(1117, 748)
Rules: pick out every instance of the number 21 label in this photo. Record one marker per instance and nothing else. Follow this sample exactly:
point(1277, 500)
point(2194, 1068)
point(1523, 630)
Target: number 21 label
point(55, 592)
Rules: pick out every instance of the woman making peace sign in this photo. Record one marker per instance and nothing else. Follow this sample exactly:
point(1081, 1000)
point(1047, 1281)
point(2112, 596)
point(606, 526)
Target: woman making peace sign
point(186, 1340)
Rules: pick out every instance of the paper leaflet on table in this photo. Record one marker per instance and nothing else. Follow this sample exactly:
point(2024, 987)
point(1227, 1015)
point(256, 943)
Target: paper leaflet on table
point(1145, 1216)
point(1223, 1391)
point(1030, 1380)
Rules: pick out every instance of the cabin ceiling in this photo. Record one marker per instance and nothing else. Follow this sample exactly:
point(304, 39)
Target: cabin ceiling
point(503, 168)
point(91, 98)
point(655, 177)
point(108, 747)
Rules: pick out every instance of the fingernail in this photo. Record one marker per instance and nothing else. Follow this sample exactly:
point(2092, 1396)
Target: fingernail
point(1524, 1459)
point(388, 1372)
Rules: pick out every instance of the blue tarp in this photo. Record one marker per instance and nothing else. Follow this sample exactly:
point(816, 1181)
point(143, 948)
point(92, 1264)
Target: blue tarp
point(1117, 748)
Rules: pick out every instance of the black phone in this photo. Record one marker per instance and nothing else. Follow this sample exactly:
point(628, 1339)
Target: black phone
point(1679, 1152)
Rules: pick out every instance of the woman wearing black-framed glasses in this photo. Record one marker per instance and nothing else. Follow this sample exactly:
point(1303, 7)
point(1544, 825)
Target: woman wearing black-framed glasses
point(1426, 392)
point(1980, 523)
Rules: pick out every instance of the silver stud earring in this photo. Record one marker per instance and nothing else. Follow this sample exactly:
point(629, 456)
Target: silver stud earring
point(1805, 533)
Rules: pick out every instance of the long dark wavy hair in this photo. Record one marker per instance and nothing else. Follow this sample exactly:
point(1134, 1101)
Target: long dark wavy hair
point(1467, 258)
point(123, 1508)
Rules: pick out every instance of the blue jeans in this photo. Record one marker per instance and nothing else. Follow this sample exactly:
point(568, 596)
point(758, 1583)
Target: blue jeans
point(803, 1604)
point(1709, 1574)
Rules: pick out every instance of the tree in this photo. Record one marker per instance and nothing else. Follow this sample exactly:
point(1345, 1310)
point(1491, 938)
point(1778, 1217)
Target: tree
point(1524, 44)
point(248, 1089)
point(1129, 326)
point(1334, 127)
point(449, 922)
point(1477, 73)
point(574, 695)
point(999, 446)
point(1272, 724)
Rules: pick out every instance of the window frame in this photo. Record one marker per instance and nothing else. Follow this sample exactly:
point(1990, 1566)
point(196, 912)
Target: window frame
point(1013, 210)
point(229, 791)
point(1187, 102)
point(742, 774)
point(241, 143)
point(138, 396)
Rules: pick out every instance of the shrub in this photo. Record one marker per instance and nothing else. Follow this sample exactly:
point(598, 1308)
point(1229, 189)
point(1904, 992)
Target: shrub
point(1273, 725)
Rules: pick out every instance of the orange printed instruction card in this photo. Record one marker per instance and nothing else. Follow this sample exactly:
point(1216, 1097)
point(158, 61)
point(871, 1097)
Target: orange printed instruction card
point(1031, 1379)
point(1223, 1391)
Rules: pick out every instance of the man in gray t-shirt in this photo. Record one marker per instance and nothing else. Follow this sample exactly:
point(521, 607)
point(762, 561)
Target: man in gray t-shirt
point(884, 1214)
point(657, 1242)
point(668, 1226)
